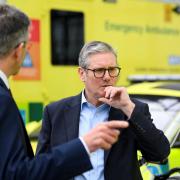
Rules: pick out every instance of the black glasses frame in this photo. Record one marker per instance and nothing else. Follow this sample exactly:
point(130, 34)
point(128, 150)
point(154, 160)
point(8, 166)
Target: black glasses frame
point(104, 71)
point(23, 42)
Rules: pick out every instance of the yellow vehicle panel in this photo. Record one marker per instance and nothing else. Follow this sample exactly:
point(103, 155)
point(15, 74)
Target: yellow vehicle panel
point(146, 35)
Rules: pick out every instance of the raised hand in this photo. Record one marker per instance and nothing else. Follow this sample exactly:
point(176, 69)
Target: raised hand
point(118, 97)
point(104, 135)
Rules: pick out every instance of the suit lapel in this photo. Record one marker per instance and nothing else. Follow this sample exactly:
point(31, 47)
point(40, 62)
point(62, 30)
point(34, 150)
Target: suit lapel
point(22, 132)
point(3, 85)
point(114, 114)
point(72, 116)
point(25, 138)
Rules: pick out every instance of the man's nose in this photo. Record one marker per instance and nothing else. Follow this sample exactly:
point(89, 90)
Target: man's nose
point(106, 75)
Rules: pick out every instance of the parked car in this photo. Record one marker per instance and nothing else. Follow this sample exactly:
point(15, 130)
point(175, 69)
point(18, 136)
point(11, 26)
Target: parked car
point(163, 99)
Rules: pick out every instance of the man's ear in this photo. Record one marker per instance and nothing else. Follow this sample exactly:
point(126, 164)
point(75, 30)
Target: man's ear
point(81, 73)
point(18, 51)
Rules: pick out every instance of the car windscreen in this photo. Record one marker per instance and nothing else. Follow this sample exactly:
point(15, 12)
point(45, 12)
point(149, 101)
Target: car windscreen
point(165, 112)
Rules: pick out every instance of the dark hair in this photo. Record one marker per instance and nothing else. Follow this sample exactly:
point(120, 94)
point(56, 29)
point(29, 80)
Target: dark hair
point(13, 28)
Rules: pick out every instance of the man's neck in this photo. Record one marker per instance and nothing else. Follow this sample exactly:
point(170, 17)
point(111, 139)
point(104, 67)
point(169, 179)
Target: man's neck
point(93, 100)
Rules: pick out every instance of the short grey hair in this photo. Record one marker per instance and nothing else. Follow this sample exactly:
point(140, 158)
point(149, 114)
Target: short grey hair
point(13, 28)
point(93, 47)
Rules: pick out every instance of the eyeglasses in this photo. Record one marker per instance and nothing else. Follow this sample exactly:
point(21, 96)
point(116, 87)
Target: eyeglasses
point(100, 72)
point(23, 42)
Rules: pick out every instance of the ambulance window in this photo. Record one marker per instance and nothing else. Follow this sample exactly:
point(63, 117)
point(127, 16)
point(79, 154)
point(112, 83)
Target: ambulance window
point(67, 37)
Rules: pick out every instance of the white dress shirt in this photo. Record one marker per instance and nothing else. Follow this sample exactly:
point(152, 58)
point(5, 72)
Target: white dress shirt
point(4, 78)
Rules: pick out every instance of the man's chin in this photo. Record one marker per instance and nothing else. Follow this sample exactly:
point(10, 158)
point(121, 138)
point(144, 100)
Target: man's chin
point(100, 95)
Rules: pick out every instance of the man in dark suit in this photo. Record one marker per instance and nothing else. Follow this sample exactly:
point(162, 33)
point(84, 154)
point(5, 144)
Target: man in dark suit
point(17, 161)
point(101, 101)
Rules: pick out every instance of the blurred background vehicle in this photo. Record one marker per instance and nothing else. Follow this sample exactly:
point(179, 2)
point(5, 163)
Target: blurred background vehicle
point(163, 99)
point(145, 33)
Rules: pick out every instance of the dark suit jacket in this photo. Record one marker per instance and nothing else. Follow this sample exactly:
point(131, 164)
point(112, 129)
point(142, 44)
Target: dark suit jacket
point(17, 161)
point(61, 124)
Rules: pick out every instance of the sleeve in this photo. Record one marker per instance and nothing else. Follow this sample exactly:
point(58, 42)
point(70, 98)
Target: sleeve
point(61, 162)
point(152, 142)
point(45, 134)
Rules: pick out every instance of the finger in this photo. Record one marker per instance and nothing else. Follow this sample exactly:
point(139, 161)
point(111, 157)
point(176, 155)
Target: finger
point(114, 132)
point(114, 92)
point(109, 138)
point(104, 128)
point(107, 92)
point(117, 92)
point(101, 142)
point(111, 135)
point(105, 145)
point(104, 100)
point(117, 124)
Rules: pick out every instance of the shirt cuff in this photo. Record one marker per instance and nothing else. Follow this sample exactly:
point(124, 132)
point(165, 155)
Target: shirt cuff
point(85, 145)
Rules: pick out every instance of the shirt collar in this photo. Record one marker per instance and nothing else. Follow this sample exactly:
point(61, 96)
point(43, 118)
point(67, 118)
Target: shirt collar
point(84, 100)
point(4, 78)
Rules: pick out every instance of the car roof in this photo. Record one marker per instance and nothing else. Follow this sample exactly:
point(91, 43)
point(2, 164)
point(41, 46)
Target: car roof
point(155, 88)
